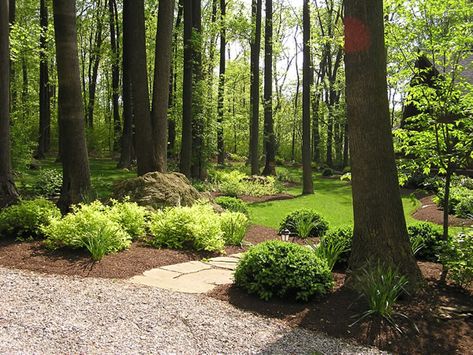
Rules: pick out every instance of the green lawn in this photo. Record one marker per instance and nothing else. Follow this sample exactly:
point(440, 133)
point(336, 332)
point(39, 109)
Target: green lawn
point(332, 199)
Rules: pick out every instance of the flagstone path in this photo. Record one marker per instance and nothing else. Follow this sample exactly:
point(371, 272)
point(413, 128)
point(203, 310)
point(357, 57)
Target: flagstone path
point(193, 276)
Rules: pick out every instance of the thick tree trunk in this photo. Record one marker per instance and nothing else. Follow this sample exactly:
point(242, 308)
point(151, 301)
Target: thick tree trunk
point(186, 141)
point(162, 71)
point(307, 183)
point(345, 146)
point(8, 193)
point(221, 86)
point(199, 157)
point(380, 233)
point(115, 47)
point(44, 90)
point(126, 140)
point(134, 54)
point(13, 91)
point(75, 162)
point(255, 89)
point(269, 138)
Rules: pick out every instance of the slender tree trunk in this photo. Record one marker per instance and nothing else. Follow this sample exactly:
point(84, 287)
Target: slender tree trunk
point(307, 183)
point(173, 84)
point(296, 106)
point(44, 89)
point(94, 63)
point(221, 86)
point(8, 193)
point(75, 162)
point(115, 47)
point(126, 141)
point(380, 233)
point(255, 83)
point(345, 146)
point(135, 54)
point(199, 158)
point(24, 89)
point(186, 141)
point(162, 71)
point(269, 138)
point(13, 90)
point(446, 202)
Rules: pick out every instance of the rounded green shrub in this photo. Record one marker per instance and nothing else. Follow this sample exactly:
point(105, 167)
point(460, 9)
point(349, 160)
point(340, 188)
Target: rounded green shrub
point(282, 269)
point(304, 223)
point(24, 220)
point(89, 227)
point(48, 183)
point(429, 239)
point(232, 204)
point(327, 172)
point(130, 216)
point(197, 227)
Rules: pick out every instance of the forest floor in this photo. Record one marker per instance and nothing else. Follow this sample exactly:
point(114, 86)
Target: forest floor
point(442, 314)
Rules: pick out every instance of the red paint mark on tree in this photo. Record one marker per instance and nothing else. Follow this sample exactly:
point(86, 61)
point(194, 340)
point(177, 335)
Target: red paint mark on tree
point(357, 35)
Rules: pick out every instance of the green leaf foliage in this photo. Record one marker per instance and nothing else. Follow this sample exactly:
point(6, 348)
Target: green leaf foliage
point(25, 219)
point(284, 270)
point(304, 223)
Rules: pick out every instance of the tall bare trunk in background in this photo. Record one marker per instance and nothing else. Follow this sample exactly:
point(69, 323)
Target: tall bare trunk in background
point(75, 161)
point(380, 232)
point(221, 86)
point(268, 135)
point(135, 54)
point(44, 135)
point(255, 82)
point(115, 47)
point(307, 186)
point(162, 72)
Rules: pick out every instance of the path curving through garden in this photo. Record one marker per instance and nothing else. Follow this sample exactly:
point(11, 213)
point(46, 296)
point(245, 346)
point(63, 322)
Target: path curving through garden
point(52, 314)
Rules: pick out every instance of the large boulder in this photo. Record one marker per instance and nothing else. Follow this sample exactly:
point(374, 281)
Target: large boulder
point(157, 190)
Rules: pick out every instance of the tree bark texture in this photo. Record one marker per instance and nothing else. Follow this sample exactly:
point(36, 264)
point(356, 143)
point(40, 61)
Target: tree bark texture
point(221, 87)
point(75, 162)
point(162, 72)
point(380, 233)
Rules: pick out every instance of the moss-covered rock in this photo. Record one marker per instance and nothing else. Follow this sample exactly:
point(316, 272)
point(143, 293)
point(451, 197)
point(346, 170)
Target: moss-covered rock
point(157, 190)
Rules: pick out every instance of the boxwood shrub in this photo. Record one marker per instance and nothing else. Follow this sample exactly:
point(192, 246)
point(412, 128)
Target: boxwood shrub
point(286, 270)
point(232, 204)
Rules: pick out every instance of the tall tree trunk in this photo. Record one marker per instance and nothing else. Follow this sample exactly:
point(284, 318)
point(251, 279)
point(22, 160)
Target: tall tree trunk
point(199, 158)
point(345, 146)
point(115, 47)
point(296, 106)
point(380, 233)
point(94, 63)
point(255, 89)
point(13, 91)
point(269, 138)
point(173, 84)
point(307, 183)
point(44, 89)
point(134, 50)
point(186, 141)
point(126, 141)
point(75, 162)
point(8, 193)
point(24, 88)
point(221, 86)
point(162, 71)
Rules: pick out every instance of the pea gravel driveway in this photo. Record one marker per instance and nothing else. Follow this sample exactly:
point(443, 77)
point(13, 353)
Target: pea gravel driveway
point(48, 314)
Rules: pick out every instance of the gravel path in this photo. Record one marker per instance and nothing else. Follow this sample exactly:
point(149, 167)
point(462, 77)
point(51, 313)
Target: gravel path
point(46, 314)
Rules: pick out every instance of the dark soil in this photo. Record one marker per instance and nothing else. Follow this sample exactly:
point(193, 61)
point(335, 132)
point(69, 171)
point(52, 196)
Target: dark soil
point(431, 213)
point(134, 261)
point(259, 199)
point(441, 331)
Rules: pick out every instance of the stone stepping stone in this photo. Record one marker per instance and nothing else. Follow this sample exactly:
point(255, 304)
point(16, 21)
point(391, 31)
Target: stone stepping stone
point(191, 277)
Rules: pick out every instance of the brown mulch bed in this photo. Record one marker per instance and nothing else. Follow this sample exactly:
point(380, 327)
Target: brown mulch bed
point(134, 261)
point(259, 199)
point(429, 212)
point(334, 313)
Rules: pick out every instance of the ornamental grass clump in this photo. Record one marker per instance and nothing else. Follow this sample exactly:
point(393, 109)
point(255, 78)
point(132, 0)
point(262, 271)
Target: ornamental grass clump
point(234, 226)
point(286, 270)
point(304, 223)
point(381, 286)
point(335, 247)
